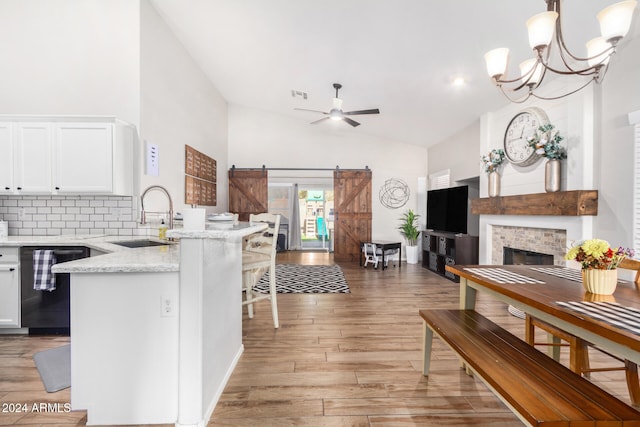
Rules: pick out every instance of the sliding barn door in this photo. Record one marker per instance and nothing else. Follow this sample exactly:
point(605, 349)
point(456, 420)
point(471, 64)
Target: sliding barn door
point(352, 206)
point(248, 192)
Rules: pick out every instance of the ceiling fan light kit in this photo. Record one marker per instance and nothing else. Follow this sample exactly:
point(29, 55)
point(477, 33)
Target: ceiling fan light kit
point(336, 112)
point(545, 32)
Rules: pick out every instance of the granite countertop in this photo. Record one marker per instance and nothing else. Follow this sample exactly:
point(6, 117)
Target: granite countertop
point(121, 259)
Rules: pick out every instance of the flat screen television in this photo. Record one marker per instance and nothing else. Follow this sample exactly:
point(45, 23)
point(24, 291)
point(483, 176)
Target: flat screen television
point(447, 209)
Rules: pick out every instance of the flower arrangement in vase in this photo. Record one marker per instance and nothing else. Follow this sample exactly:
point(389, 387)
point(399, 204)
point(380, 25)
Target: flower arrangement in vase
point(546, 141)
point(599, 264)
point(491, 162)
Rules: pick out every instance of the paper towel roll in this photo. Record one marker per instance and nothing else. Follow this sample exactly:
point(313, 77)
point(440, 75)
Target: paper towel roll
point(194, 219)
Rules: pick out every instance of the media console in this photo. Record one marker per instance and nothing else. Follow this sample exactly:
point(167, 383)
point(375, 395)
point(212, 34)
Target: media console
point(440, 249)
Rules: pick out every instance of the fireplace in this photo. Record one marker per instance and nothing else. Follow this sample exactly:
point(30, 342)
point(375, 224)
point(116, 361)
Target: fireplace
point(529, 241)
point(514, 256)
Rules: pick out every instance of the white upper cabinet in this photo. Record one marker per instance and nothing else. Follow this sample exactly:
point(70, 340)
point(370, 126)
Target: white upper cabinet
point(66, 155)
point(6, 158)
point(83, 158)
point(32, 158)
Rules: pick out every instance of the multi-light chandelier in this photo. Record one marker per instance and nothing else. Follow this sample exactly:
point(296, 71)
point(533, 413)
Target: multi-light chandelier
point(615, 21)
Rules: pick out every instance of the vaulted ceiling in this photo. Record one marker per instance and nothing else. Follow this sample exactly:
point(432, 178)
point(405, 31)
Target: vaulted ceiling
point(397, 55)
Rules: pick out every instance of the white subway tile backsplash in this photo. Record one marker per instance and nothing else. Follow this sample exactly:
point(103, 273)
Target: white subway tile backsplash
point(62, 215)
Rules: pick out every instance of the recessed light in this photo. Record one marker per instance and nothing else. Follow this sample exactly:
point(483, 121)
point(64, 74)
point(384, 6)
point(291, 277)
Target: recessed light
point(458, 81)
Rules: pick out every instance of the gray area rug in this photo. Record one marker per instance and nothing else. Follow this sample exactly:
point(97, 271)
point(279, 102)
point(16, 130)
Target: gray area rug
point(305, 279)
point(54, 366)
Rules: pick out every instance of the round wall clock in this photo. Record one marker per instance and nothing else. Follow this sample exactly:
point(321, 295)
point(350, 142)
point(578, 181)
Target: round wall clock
point(521, 126)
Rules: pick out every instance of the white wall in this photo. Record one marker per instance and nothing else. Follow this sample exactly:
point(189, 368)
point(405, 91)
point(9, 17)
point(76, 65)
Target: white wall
point(459, 153)
point(259, 138)
point(70, 57)
point(178, 106)
point(620, 96)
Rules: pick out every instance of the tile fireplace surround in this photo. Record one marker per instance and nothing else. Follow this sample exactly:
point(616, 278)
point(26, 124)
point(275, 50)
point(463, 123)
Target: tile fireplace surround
point(545, 234)
point(542, 240)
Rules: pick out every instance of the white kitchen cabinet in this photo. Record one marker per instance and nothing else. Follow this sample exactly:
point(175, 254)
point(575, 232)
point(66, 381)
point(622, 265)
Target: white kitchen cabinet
point(32, 158)
point(6, 159)
point(66, 155)
point(9, 288)
point(83, 158)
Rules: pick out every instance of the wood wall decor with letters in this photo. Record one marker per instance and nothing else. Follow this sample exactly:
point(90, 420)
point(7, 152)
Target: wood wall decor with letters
point(200, 178)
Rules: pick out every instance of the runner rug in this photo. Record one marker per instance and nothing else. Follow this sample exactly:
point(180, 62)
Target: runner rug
point(305, 279)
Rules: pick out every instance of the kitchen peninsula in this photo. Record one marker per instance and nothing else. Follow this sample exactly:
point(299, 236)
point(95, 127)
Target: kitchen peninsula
point(157, 331)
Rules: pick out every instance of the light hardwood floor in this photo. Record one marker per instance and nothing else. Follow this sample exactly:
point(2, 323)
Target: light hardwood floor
point(337, 360)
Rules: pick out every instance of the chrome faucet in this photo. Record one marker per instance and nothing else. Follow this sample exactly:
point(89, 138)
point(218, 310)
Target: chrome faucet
point(143, 215)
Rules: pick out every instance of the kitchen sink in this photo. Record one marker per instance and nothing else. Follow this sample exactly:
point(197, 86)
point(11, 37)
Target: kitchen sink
point(140, 243)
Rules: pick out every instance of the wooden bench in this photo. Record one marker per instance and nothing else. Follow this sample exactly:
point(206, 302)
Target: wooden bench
point(538, 389)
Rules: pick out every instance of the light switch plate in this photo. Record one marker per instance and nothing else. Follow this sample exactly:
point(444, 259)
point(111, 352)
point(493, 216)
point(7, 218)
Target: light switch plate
point(152, 159)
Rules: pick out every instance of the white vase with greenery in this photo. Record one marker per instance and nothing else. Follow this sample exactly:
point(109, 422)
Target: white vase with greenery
point(409, 229)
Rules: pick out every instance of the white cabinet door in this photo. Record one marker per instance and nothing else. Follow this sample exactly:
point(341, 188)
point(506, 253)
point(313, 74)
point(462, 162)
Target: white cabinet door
point(83, 158)
point(6, 158)
point(32, 165)
point(9, 288)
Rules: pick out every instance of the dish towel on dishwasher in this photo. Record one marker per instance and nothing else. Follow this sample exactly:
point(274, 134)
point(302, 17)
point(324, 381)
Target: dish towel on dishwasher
point(43, 278)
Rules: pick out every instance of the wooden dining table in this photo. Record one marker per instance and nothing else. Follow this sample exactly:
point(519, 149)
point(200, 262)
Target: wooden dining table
point(556, 295)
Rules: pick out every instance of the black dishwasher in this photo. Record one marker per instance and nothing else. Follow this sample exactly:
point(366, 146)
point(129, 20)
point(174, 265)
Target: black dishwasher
point(45, 312)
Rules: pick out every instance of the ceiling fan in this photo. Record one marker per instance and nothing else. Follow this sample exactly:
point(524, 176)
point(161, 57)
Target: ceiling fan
point(336, 112)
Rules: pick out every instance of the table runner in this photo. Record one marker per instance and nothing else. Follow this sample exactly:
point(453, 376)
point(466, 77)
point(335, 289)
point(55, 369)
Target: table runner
point(612, 313)
point(500, 275)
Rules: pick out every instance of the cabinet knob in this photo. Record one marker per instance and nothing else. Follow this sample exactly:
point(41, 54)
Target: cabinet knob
point(7, 188)
point(11, 269)
point(19, 188)
point(57, 188)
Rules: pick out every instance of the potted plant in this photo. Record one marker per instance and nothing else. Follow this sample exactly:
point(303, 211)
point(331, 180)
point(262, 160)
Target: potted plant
point(409, 229)
point(599, 264)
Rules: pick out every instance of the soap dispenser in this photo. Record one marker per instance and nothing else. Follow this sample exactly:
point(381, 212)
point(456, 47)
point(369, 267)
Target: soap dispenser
point(162, 231)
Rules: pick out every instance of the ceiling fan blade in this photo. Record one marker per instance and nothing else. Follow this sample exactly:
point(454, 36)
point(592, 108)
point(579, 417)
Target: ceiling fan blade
point(321, 120)
point(351, 121)
point(353, 113)
point(313, 111)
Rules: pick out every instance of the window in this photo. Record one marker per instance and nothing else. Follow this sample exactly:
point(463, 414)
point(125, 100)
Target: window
point(636, 190)
point(440, 179)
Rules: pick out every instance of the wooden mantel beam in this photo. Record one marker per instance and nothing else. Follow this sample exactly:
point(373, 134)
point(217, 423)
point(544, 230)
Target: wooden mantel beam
point(561, 203)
